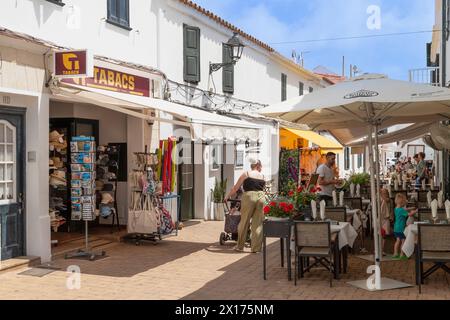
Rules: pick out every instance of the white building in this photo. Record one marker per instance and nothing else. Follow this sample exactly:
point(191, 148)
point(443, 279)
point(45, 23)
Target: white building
point(149, 40)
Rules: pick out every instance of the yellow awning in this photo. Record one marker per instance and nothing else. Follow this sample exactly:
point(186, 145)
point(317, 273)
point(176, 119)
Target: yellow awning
point(324, 143)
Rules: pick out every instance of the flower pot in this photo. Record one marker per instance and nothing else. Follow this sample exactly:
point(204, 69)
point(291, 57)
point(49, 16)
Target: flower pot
point(277, 219)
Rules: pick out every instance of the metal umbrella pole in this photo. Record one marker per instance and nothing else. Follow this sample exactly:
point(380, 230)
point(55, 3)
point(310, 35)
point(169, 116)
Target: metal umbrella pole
point(378, 185)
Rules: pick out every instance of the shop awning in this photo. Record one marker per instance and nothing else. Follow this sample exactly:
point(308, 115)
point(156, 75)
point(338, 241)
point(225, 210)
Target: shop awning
point(133, 105)
point(323, 142)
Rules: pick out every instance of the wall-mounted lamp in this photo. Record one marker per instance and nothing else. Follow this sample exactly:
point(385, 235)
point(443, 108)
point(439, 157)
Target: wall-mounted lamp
point(237, 47)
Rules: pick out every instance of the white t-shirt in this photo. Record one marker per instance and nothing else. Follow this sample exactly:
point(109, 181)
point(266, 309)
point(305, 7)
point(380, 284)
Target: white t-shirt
point(326, 173)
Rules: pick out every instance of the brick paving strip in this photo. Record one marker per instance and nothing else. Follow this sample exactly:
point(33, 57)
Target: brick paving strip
point(194, 266)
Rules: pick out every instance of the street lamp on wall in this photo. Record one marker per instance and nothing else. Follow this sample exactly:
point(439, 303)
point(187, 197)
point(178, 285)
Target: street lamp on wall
point(237, 47)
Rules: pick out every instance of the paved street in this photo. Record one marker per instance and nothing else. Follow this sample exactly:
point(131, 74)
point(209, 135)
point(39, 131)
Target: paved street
point(194, 266)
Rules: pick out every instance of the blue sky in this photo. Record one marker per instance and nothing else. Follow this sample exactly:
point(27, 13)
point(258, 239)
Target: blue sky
point(274, 21)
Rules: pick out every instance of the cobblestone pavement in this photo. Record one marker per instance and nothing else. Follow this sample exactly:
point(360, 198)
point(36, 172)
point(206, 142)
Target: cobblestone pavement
point(194, 266)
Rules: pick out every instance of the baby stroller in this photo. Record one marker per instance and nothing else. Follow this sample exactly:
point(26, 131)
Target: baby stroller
point(232, 220)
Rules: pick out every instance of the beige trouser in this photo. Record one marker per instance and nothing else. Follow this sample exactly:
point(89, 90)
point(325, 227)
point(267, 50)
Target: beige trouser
point(252, 205)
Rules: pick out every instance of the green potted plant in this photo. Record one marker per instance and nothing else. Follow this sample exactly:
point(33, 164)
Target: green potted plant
point(217, 197)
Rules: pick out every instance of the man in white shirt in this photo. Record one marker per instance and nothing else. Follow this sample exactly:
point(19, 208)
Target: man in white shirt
point(327, 180)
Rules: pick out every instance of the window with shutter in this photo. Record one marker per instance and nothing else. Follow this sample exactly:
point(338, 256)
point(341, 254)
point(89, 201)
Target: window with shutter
point(191, 52)
point(283, 87)
point(227, 70)
point(119, 13)
point(300, 88)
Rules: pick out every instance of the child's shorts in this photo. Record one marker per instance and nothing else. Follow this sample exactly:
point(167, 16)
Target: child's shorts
point(399, 235)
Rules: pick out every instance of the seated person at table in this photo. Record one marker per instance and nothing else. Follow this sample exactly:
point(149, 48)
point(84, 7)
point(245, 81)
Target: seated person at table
point(401, 215)
point(327, 180)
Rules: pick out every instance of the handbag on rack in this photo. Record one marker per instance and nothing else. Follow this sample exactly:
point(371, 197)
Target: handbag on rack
point(166, 222)
point(143, 217)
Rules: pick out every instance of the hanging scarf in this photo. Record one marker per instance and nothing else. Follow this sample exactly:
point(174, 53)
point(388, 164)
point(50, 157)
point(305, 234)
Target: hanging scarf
point(174, 167)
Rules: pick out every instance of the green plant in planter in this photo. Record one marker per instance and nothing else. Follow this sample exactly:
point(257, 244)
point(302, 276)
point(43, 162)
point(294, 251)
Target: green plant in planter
point(360, 178)
point(218, 193)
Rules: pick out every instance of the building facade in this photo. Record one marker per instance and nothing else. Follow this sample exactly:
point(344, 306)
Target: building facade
point(167, 43)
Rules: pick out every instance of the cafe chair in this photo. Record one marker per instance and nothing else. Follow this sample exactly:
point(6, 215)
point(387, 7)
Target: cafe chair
point(422, 196)
point(353, 203)
point(336, 214)
point(314, 240)
point(425, 215)
point(433, 246)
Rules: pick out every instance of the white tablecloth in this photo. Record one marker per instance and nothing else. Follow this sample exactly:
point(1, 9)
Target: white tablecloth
point(410, 233)
point(347, 235)
point(356, 220)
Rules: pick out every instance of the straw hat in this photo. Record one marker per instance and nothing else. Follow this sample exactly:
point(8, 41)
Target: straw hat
point(51, 164)
point(99, 185)
point(57, 162)
point(58, 178)
point(57, 137)
point(58, 145)
point(59, 174)
point(107, 198)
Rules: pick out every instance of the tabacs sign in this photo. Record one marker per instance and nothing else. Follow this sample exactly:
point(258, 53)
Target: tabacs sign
point(361, 94)
point(113, 80)
point(72, 64)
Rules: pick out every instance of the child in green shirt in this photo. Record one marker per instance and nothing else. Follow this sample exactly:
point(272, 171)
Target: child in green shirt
point(401, 215)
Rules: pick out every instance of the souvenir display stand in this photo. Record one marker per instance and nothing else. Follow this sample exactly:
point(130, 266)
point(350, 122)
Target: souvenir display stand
point(82, 186)
point(148, 219)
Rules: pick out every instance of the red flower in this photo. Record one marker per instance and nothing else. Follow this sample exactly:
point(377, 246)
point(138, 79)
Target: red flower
point(300, 189)
point(282, 204)
point(266, 210)
point(291, 193)
point(314, 190)
point(291, 207)
point(273, 204)
point(318, 189)
point(286, 209)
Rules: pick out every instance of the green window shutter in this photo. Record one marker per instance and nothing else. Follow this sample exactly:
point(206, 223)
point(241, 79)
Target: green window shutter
point(191, 52)
point(301, 87)
point(113, 14)
point(124, 15)
point(227, 71)
point(283, 87)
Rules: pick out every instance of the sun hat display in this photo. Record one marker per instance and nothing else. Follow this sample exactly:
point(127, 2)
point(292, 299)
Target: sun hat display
point(107, 198)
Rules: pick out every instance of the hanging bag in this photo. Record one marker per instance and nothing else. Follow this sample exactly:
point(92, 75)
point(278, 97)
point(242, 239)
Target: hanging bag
point(167, 225)
point(142, 218)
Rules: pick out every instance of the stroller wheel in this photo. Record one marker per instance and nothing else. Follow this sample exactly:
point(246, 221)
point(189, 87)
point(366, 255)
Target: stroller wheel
point(223, 238)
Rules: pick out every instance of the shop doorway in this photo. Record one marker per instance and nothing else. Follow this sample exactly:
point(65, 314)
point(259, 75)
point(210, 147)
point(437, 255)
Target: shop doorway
point(186, 178)
point(12, 167)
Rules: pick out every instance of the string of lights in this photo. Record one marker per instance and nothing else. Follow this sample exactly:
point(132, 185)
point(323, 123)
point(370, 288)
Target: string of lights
point(209, 100)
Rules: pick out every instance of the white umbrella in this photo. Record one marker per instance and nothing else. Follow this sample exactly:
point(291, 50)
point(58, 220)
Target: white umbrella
point(370, 101)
